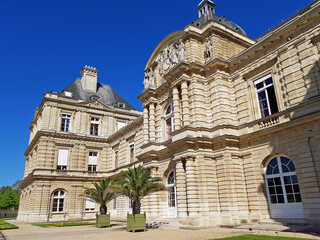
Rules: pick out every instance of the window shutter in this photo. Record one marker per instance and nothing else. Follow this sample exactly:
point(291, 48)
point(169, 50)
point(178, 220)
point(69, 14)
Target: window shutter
point(63, 157)
point(93, 160)
point(90, 204)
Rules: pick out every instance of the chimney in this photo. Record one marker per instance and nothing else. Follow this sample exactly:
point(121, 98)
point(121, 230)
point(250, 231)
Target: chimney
point(89, 78)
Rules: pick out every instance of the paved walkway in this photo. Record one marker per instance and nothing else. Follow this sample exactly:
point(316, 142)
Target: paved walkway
point(118, 231)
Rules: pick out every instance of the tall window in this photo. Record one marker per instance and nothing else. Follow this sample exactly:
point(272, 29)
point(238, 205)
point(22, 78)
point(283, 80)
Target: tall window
point(266, 96)
point(131, 146)
point(94, 128)
point(114, 204)
point(282, 181)
point(116, 158)
point(65, 122)
point(171, 185)
point(93, 161)
point(168, 118)
point(62, 159)
point(58, 201)
point(90, 205)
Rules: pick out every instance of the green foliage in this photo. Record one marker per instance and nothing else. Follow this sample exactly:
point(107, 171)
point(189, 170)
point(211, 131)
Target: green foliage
point(101, 194)
point(5, 225)
point(9, 199)
point(259, 237)
point(137, 183)
point(64, 224)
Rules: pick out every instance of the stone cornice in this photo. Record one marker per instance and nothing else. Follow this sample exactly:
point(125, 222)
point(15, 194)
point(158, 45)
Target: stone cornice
point(278, 33)
point(64, 135)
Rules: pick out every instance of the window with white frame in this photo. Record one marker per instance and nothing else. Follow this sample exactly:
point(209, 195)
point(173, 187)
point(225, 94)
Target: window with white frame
point(131, 147)
point(65, 122)
point(93, 161)
point(94, 127)
point(90, 205)
point(168, 118)
point(266, 96)
point(116, 158)
point(58, 201)
point(63, 155)
point(121, 125)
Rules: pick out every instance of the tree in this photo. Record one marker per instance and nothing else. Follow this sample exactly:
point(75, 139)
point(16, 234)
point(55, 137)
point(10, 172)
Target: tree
point(101, 194)
point(137, 183)
point(9, 200)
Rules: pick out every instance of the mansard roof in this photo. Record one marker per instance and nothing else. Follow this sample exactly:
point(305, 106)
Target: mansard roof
point(105, 93)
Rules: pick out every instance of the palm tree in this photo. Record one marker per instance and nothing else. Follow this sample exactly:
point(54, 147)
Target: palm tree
point(101, 194)
point(137, 183)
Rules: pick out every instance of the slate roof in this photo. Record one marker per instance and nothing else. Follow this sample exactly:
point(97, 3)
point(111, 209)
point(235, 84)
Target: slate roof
point(105, 93)
point(206, 17)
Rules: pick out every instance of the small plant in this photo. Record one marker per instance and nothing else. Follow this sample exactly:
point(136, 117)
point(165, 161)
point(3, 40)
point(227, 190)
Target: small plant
point(64, 224)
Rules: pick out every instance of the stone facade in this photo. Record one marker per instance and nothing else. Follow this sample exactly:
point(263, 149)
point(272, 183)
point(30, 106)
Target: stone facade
point(223, 117)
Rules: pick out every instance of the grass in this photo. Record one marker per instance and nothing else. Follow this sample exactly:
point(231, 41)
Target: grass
point(64, 224)
point(259, 237)
point(5, 225)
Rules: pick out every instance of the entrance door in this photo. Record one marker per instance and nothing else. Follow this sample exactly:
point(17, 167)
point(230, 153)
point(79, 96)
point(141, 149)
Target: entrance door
point(283, 189)
point(172, 195)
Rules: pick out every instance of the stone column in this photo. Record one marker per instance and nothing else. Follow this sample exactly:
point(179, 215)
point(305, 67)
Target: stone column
point(191, 185)
point(176, 107)
point(152, 123)
point(181, 190)
point(185, 104)
point(145, 125)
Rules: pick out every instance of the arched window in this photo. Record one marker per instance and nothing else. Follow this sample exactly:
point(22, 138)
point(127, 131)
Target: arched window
point(283, 188)
point(168, 118)
point(172, 195)
point(58, 201)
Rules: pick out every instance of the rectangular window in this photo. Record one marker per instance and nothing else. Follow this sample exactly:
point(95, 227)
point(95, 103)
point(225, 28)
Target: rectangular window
point(65, 122)
point(93, 161)
point(121, 125)
point(62, 159)
point(266, 96)
point(116, 158)
point(94, 127)
point(114, 204)
point(131, 146)
point(90, 205)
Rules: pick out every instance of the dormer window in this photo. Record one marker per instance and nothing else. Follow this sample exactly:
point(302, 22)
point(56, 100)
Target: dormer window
point(94, 97)
point(68, 94)
point(121, 105)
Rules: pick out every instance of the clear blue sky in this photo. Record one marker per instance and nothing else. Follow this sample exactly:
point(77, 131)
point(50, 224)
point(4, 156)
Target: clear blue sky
point(44, 44)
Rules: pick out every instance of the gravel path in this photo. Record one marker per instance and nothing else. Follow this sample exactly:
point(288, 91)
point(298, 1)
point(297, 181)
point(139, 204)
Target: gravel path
point(118, 232)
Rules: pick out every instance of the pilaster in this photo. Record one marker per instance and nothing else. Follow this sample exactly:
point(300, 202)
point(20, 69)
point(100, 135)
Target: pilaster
point(181, 189)
point(176, 107)
point(152, 123)
point(145, 125)
point(185, 103)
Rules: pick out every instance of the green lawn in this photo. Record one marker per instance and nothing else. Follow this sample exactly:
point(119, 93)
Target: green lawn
point(64, 224)
point(5, 225)
point(259, 237)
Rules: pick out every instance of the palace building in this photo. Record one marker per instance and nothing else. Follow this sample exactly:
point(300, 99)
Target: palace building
point(231, 124)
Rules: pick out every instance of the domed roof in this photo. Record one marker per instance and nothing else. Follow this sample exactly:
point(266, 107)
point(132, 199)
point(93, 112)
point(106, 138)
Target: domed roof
point(222, 20)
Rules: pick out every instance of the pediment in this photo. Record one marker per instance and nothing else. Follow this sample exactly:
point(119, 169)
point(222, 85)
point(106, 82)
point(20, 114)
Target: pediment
point(96, 104)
